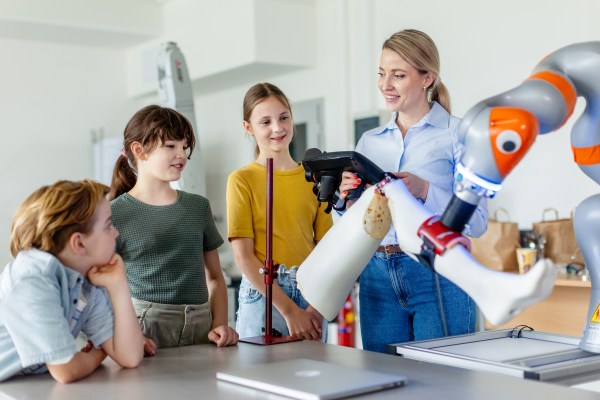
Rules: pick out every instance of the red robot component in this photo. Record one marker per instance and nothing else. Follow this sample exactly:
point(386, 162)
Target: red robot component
point(437, 238)
point(442, 237)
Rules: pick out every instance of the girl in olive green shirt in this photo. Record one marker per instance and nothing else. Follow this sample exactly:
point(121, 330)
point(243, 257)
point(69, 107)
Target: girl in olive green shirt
point(168, 238)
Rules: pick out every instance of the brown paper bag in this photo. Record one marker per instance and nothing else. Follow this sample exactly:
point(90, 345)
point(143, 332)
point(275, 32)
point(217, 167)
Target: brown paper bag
point(495, 249)
point(561, 243)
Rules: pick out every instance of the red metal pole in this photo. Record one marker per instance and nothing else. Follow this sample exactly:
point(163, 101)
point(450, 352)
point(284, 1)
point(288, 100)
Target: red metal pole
point(269, 255)
point(270, 273)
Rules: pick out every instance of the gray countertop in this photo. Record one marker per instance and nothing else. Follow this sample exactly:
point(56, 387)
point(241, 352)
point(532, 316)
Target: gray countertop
point(189, 373)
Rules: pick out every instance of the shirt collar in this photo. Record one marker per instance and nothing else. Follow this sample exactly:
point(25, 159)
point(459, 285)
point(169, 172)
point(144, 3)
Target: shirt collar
point(73, 276)
point(437, 116)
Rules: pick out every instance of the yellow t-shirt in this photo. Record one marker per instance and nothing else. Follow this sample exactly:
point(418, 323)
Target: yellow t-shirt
point(297, 219)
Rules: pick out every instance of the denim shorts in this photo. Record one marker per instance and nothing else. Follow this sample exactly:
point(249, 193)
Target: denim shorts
point(251, 313)
point(173, 325)
point(399, 303)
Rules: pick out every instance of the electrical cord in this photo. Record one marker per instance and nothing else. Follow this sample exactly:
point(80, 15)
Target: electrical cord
point(439, 291)
point(572, 268)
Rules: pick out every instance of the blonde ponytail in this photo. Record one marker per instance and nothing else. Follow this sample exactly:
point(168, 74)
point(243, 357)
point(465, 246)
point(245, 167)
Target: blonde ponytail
point(440, 94)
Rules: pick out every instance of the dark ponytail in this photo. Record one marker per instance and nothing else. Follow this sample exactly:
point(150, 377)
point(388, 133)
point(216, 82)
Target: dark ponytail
point(150, 127)
point(123, 180)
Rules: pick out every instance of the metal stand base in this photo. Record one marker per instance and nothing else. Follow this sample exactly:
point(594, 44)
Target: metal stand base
point(269, 340)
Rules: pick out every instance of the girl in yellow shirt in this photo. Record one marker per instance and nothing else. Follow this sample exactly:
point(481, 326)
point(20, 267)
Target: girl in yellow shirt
point(298, 221)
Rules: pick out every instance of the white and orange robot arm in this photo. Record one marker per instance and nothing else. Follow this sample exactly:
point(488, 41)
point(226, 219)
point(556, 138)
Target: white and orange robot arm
point(496, 134)
point(499, 131)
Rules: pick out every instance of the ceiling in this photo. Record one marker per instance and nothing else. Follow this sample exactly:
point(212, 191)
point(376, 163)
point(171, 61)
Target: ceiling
point(103, 23)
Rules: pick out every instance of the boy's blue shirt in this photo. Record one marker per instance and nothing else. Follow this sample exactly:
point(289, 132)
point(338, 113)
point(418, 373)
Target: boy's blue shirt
point(38, 299)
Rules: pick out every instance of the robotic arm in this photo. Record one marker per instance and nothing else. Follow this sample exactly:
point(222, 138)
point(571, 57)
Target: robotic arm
point(498, 131)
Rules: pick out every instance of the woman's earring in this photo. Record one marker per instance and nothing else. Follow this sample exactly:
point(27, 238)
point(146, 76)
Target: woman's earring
point(424, 88)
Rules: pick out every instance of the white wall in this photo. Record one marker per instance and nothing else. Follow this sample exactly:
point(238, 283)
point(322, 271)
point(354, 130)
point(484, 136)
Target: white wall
point(485, 49)
point(51, 96)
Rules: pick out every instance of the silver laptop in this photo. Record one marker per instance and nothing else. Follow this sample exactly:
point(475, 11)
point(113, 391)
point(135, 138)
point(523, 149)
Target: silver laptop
point(308, 379)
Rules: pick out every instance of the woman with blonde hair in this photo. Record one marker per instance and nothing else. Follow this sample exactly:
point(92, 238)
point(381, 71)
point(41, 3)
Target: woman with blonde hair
point(400, 299)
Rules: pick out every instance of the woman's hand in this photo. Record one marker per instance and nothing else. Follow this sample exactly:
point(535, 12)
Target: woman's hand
point(108, 275)
point(416, 186)
point(303, 324)
point(350, 181)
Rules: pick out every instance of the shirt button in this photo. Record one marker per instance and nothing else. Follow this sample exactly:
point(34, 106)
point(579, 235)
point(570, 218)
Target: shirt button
point(75, 301)
point(78, 280)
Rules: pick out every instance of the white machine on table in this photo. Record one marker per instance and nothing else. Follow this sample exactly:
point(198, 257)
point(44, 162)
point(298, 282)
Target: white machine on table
point(175, 91)
point(513, 352)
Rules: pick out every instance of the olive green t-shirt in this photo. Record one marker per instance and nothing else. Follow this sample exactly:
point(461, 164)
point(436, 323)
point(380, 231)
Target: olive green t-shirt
point(163, 247)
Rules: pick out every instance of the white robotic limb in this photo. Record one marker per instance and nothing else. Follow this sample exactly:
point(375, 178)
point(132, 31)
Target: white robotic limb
point(500, 296)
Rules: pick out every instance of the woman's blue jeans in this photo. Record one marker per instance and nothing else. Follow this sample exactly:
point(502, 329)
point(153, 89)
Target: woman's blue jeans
point(399, 303)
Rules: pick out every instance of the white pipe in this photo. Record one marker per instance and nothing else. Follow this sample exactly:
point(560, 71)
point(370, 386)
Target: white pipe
point(326, 277)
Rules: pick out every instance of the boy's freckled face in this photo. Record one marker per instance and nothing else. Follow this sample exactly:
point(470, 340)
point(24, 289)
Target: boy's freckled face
point(100, 241)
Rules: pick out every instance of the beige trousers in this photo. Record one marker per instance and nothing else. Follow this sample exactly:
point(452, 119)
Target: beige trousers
point(173, 325)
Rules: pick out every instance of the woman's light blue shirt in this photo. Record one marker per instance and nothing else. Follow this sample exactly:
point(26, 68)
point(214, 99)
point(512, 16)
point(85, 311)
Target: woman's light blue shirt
point(38, 300)
point(430, 150)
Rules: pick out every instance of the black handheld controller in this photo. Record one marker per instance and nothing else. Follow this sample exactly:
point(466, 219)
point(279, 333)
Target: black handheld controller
point(325, 171)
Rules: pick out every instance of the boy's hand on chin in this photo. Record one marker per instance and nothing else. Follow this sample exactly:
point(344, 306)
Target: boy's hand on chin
point(109, 274)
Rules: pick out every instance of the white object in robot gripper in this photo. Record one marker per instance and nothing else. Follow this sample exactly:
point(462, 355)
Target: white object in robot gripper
point(326, 277)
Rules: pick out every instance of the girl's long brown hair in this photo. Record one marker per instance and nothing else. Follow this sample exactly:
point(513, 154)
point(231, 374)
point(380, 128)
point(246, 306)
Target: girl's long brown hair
point(49, 216)
point(150, 127)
